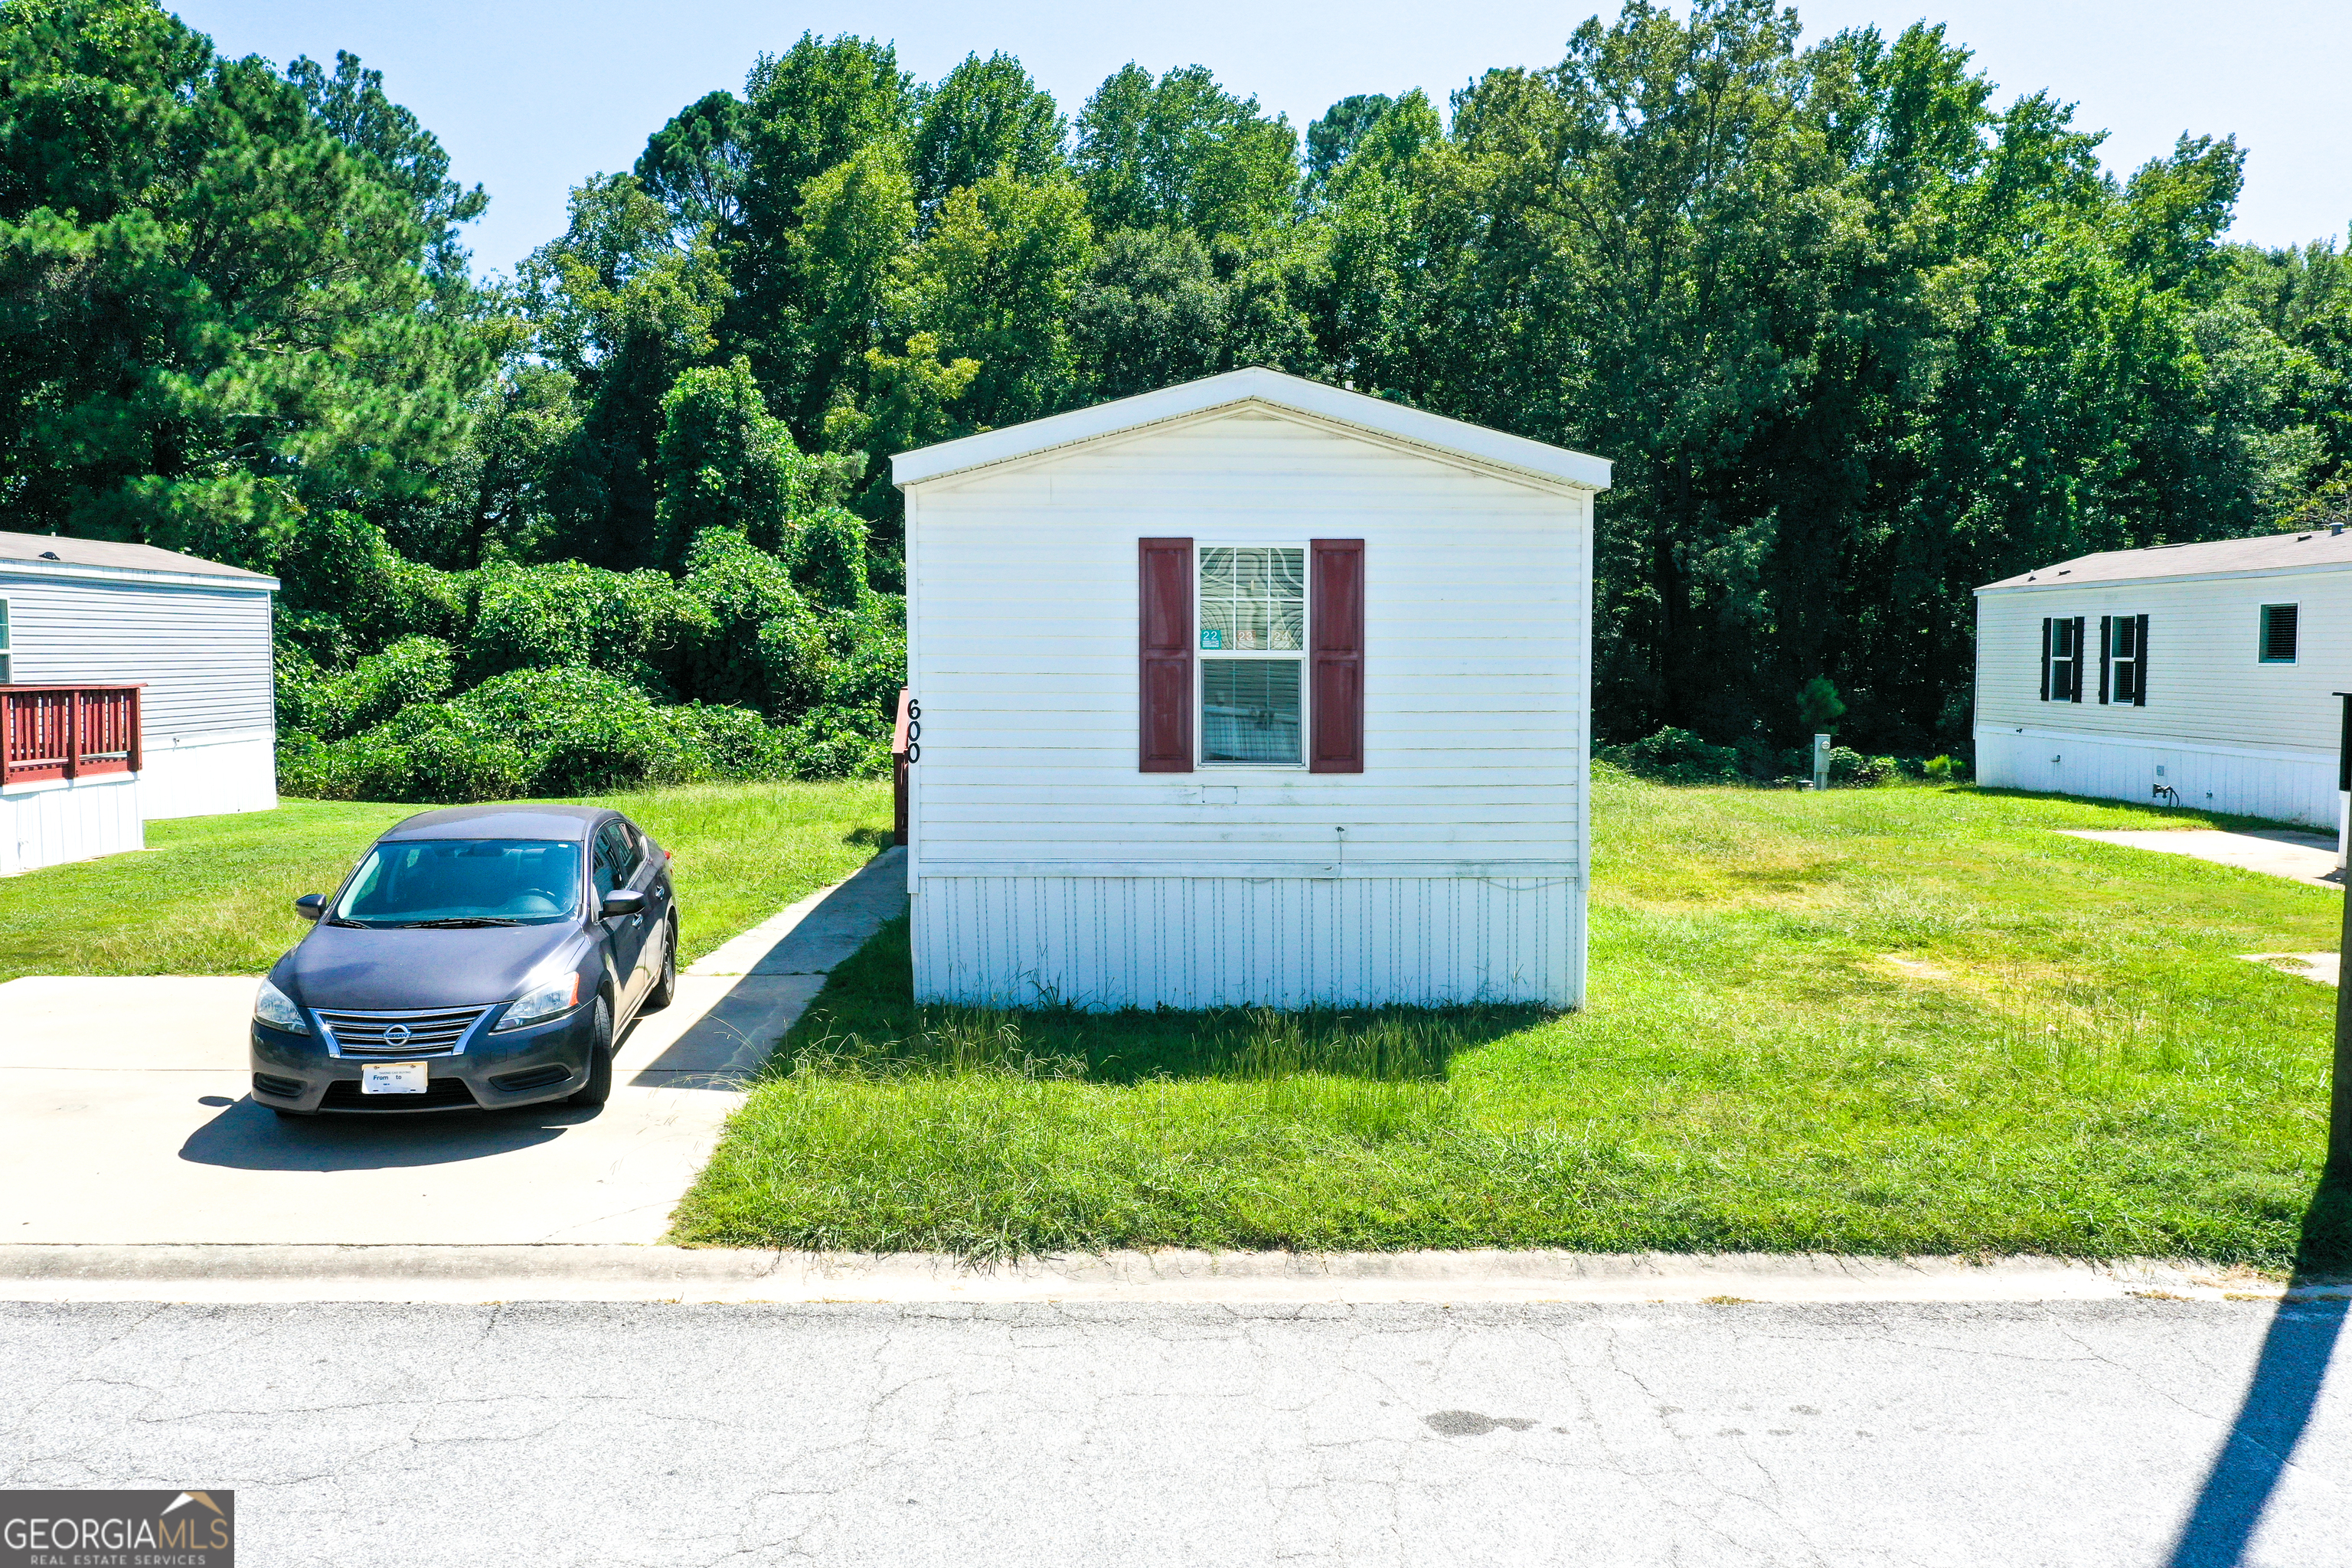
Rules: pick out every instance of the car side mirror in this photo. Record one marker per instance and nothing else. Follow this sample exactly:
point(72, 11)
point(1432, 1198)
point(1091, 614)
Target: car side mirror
point(624, 902)
point(310, 906)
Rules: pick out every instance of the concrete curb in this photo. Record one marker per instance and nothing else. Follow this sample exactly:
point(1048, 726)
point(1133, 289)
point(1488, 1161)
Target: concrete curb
point(599, 1272)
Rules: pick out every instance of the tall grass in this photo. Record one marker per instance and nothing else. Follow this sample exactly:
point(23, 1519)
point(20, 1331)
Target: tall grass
point(213, 895)
point(1903, 1020)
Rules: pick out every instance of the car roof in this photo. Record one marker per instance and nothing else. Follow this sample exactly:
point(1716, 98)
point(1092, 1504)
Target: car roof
point(568, 821)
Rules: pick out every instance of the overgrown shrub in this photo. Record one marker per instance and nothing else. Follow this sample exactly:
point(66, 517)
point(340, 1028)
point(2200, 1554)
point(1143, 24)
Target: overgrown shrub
point(760, 644)
point(731, 743)
point(826, 553)
point(331, 705)
point(572, 670)
point(1675, 756)
point(349, 592)
point(412, 670)
point(637, 626)
point(1850, 767)
point(582, 730)
point(834, 741)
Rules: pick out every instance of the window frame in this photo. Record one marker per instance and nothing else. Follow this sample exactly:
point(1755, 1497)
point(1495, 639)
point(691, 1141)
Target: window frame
point(1202, 655)
point(2113, 694)
point(7, 642)
point(2069, 688)
point(2263, 632)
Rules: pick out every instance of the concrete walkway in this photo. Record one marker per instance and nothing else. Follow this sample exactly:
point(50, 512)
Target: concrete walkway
point(124, 1116)
point(2307, 858)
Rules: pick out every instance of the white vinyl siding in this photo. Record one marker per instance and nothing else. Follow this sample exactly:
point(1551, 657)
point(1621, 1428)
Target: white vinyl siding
point(204, 653)
point(1028, 801)
point(2233, 731)
point(1473, 668)
point(2206, 681)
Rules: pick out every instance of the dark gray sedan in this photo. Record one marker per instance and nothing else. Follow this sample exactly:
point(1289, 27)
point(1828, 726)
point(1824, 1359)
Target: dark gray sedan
point(487, 956)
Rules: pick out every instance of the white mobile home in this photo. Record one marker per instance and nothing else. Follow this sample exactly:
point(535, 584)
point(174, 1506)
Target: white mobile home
point(1248, 692)
point(2198, 673)
point(135, 683)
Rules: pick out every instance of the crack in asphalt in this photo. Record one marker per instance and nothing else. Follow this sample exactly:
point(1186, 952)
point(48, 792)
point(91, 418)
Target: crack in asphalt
point(1058, 1432)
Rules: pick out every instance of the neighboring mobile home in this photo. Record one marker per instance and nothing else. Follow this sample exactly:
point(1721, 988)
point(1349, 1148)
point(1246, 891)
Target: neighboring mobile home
point(1248, 692)
point(135, 683)
point(2198, 673)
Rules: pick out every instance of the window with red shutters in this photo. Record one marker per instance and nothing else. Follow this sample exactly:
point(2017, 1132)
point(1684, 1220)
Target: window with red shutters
point(1164, 728)
point(1336, 628)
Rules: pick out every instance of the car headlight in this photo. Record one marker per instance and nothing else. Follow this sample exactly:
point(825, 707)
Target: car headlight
point(558, 996)
point(274, 1008)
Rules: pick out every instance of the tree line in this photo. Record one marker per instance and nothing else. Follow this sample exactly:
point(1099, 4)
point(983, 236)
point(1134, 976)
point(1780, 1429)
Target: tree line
point(1857, 341)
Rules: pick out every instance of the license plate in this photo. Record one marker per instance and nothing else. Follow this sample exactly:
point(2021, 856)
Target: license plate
point(392, 1078)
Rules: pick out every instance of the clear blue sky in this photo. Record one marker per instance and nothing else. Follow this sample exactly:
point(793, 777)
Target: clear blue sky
point(529, 95)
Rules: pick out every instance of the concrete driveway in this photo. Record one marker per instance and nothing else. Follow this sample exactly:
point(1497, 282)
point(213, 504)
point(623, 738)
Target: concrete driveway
point(2308, 857)
point(124, 1116)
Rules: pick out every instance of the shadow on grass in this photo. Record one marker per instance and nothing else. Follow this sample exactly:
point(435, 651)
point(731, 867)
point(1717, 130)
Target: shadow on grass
point(2281, 1397)
point(866, 1021)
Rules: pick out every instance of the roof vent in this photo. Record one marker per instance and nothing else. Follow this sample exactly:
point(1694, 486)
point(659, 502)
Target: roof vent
point(2300, 537)
point(48, 555)
point(2333, 528)
point(2063, 570)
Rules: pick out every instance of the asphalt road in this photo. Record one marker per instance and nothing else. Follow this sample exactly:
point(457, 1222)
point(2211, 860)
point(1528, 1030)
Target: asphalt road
point(2140, 1432)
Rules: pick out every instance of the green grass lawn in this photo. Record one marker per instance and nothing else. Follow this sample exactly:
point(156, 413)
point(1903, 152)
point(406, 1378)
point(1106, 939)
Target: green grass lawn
point(213, 895)
point(1899, 1020)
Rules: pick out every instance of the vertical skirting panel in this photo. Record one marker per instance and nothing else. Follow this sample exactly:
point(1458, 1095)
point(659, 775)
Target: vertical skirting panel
point(1108, 942)
point(52, 823)
point(2285, 786)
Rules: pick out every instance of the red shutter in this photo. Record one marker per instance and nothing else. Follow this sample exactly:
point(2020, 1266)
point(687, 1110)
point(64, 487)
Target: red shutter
point(1335, 613)
point(1165, 710)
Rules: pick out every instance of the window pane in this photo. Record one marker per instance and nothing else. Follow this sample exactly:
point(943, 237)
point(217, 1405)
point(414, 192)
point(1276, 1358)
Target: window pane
point(1247, 595)
point(1249, 710)
point(1216, 573)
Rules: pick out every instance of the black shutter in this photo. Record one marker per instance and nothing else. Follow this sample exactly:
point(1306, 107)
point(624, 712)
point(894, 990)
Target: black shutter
point(2076, 695)
point(2139, 665)
point(2048, 625)
point(2107, 642)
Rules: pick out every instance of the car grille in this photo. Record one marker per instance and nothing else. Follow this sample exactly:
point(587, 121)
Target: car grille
point(440, 1094)
point(403, 1035)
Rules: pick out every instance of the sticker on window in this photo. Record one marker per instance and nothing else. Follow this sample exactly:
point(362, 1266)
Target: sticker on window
point(1211, 637)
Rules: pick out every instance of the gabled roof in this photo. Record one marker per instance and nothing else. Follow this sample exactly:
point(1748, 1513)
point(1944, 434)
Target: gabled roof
point(1274, 390)
point(2262, 554)
point(107, 555)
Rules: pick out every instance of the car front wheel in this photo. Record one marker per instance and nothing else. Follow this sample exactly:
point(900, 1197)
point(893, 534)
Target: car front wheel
point(599, 1087)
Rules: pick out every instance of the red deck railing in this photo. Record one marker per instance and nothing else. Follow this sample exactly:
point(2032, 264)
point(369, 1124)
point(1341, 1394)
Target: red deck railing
point(68, 732)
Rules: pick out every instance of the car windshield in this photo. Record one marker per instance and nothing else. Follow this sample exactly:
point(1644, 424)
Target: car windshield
point(463, 881)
